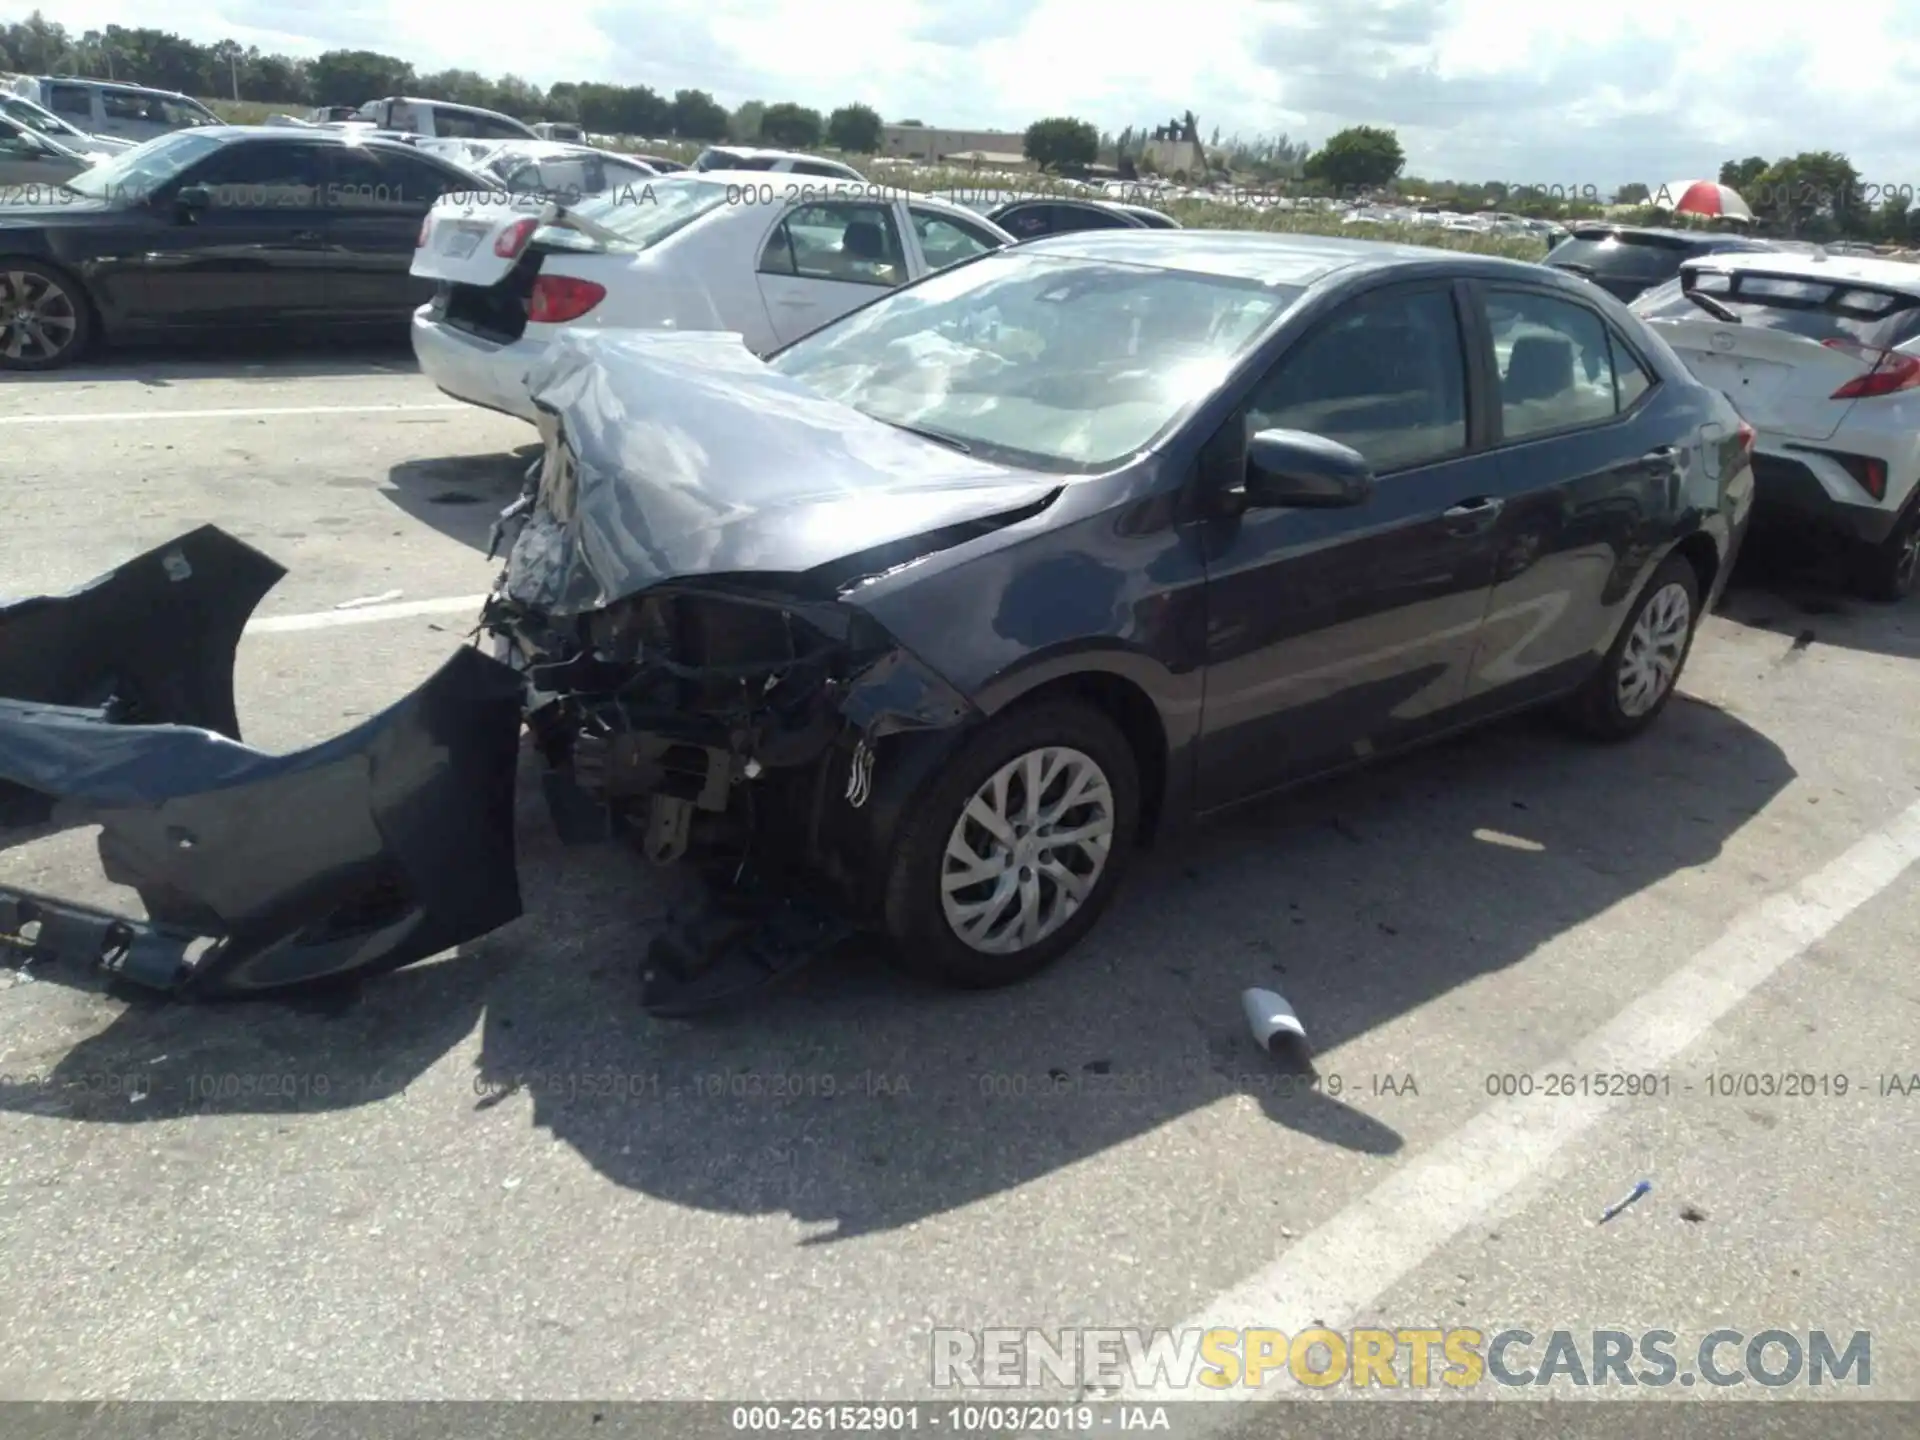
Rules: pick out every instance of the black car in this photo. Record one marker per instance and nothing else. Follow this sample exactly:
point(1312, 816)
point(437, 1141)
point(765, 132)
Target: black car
point(1029, 218)
point(927, 620)
point(215, 229)
point(1627, 259)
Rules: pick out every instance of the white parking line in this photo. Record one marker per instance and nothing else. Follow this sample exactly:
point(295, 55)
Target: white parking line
point(104, 417)
point(1335, 1271)
point(367, 614)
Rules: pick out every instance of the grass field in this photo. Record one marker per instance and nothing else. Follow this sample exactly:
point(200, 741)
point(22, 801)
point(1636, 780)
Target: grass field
point(1194, 214)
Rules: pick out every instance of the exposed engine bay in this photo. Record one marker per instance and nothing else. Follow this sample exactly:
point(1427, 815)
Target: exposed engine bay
point(682, 645)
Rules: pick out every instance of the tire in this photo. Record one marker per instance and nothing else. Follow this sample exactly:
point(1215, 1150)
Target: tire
point(1887, 571)
point(45, 319)
point(1075, 743)
point(1608, 706)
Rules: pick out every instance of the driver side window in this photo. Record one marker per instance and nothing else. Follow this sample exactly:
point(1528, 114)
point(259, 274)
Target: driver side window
point(1385, 374)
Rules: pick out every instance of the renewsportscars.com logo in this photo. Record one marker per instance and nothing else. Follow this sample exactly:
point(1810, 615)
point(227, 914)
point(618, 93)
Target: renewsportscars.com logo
point(1456, 1358)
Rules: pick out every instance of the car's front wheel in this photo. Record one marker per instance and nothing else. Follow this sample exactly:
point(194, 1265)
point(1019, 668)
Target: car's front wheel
point(44, 320)
point(1015, 848)
point(1638, 677)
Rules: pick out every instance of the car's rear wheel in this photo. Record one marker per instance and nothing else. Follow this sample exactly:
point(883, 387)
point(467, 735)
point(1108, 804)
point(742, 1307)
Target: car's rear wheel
point(1888, 570)
point(44, 319)
point(1015, 849)
point(1638, 677)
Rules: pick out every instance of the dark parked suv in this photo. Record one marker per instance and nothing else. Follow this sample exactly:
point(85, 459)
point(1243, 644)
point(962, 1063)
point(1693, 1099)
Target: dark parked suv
point(1626, 259)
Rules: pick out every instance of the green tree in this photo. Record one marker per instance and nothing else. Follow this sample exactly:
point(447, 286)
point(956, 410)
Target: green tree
point(1357, 158)
point(854, 129)
point(696, 115)
point(1634, 194)
point(743, 126)
point(353, 77)
point(1816, 192)
point(791, 126)
point(1061, 142)
point(1743, 174)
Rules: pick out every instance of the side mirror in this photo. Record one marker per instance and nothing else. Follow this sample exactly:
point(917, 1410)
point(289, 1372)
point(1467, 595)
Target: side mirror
point(190, 200)
point(1298, 470)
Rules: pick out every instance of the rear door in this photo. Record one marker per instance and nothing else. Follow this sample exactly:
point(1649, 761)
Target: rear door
point(1792, 344)
point(1589, 474)
point(822, 259)
point(376, 201)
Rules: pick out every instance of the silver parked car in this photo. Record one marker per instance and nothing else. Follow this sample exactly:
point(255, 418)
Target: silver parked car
point(105, 107)
point(38, 117)
point(29, 160)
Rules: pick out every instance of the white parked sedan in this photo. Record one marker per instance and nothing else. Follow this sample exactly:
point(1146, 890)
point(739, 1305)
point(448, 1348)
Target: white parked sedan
point(769, 257)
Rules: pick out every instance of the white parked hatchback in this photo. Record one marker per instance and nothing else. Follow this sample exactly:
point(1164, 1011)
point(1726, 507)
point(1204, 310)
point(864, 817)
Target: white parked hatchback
point(768, 257)
point(1821, 355)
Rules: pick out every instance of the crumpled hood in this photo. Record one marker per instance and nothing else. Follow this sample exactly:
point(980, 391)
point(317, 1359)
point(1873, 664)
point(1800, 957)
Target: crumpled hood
point(678, 454)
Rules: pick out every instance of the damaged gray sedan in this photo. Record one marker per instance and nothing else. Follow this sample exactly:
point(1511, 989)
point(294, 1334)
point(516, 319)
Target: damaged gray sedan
point(923, 624)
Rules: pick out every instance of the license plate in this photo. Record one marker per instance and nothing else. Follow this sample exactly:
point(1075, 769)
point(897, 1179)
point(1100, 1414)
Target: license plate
point(461, 242)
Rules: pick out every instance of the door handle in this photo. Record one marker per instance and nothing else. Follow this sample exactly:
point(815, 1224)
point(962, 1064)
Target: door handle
point(1483, 508)
point(306, 237)
point(1662, 455)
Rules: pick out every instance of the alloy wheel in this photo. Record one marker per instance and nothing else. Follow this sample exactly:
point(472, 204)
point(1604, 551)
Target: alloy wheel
point(1028, 850)
point(38, 318)
point(1655, 647)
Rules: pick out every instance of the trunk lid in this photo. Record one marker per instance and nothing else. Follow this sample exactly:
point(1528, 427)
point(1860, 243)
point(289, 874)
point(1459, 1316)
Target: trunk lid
point(1781, 346)
point(679, 454)
point(478, 238)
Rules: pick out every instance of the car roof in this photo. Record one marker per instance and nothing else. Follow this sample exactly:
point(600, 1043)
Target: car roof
point(1866, 270)
point(760, 153)
point(1699, 239)
point(1270, 257)
point(287, 135)
point(444, 105)
point(95, 80)
point(553, 150)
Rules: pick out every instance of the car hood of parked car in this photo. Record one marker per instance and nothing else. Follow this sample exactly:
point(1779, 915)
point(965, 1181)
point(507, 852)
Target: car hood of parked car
point(675, 455)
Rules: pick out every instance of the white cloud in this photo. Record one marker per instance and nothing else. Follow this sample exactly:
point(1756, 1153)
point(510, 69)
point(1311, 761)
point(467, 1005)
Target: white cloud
point(1644, 90)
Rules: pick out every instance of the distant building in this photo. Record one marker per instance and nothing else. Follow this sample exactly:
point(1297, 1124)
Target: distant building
point(928, 143)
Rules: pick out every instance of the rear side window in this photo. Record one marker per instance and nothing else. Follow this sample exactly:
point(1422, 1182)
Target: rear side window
point(1814, 309)
point(1024, 222)
point(857, 244)
point(71, 102)
point(1651, 258)
point(1555, 361)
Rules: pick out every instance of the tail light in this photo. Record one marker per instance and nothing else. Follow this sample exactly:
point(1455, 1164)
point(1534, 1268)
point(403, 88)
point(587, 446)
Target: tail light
point(420, 240)
point(560, 298)
point(1891, 371)
point(514, 239)
point(1747, 438)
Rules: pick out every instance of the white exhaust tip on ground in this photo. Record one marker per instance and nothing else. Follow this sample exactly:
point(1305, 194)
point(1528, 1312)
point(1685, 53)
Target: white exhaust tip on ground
point(1268, 1015)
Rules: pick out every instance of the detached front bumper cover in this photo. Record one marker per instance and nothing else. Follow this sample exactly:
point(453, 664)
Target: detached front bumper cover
point(380, 847)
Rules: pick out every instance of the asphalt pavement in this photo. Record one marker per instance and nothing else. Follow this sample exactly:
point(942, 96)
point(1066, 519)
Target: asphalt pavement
point(492, 1177)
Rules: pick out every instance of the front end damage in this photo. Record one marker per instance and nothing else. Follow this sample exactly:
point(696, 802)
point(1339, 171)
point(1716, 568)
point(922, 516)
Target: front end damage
point(677, 632)
point(258, 872)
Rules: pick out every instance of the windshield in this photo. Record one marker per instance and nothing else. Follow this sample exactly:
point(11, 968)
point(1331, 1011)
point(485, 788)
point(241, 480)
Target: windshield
point(1054, 362)
point(1813, 309)
point(34, 118)
point(1622, 257)
point(135, 174)
point(646, 213)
